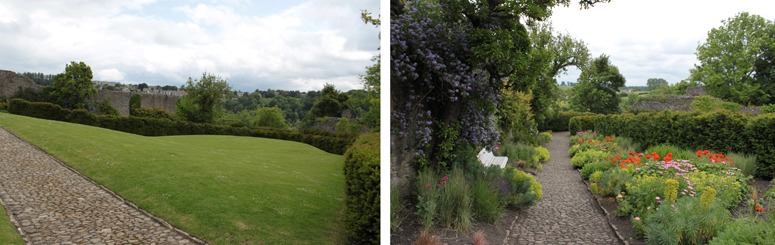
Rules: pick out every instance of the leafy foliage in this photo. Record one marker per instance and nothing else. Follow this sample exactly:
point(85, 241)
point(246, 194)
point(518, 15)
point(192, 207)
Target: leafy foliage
point(71, 88)
point(598, 87)
point(732, 55)
point(203, 99)
point(362, 202)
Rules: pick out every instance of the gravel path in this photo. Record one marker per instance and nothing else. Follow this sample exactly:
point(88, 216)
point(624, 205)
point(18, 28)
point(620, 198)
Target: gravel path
point(52, 204)
point(568, 213)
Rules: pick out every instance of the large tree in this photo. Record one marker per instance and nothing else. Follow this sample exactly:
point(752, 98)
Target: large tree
point(203, 98)
point(728, 57)
point(553, 54)
point(656, 83)
point(598, 86)
point(72, 88)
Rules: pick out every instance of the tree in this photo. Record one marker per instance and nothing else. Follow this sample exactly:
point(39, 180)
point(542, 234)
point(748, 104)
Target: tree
point(553, 54)
point(142, 86)
point(656, 83)
point(728, 57)
point(330, 104)
point(71, 88)
point(203, 98)
point(598, 87)
point(134, 104)
point(270, 117)
point(764, 68)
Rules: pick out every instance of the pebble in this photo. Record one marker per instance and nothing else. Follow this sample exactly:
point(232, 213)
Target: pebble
point(567, 214)
point(54, 205)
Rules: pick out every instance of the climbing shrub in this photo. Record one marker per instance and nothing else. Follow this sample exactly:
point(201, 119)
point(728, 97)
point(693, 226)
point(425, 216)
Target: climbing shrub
point(361, 172)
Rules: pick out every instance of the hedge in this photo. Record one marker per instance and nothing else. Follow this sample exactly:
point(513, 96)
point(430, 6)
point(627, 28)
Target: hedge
point(147, 126)
point(720, 131)
point(361, 172)
point(560, 121)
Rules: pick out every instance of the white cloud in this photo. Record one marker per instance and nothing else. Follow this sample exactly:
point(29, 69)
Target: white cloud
point(295, 47)
point(651, 38)
point(111, 74)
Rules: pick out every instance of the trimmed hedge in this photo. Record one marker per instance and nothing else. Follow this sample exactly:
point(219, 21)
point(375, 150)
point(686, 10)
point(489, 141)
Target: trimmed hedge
point(560, 121)
point(162, 126)
point(361, 172)
point(720, 131)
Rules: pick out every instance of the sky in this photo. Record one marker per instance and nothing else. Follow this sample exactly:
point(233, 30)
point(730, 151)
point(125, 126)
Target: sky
point(650, 38)
point(290, 45)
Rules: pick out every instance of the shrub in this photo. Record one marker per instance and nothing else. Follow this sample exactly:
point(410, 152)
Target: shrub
point(361, 172)
point(153, 112)
point(559, 122)
point(746, 231)
point(543, 138)
point(767, 108)
point(104, 108)
point(543, 153)
point(582, 123)
point(689, 222)
point(589, 156)
point(3, 105)
point(347, 127)
point(524, 190)
point(592, 167)
point(524, 152)
point(455, 202)
point(158, 127)
point(613, 181)
point(134, 104)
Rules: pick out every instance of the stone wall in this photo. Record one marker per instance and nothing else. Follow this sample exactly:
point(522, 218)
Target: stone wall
point(672, 102)
point(120, 100)
point(11, 83)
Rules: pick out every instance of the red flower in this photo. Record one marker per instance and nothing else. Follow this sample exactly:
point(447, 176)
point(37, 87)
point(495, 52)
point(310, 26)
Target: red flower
point(581, 141)
point(699, 153)
point(759, 209)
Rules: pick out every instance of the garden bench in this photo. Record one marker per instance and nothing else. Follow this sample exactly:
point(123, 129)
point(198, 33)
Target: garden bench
point(488, 159)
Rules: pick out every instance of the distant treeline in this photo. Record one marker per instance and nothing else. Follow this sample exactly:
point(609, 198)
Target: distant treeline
point(39, 78)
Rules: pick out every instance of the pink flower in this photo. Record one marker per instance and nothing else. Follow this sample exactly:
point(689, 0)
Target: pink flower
point(637, 218)
point(620, 196)
point(659, 200)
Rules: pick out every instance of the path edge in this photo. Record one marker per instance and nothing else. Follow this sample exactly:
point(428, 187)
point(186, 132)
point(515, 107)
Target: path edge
point(607, 215)
point(115, 195)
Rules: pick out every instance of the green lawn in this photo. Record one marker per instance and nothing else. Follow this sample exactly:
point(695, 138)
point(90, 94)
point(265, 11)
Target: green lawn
point(8, 234)
point(224, 189)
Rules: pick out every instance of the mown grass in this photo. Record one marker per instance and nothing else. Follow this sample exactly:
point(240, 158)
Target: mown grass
point(8, 234)
point(224, 189)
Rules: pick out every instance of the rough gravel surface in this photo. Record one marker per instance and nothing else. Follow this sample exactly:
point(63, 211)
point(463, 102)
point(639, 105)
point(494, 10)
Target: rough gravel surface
point(568, 213)
point(52, 204)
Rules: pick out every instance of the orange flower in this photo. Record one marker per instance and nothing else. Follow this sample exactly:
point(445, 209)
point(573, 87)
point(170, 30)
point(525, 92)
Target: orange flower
point(731, 163)
point(699, 153)
point(581, 141)
point(669, 157)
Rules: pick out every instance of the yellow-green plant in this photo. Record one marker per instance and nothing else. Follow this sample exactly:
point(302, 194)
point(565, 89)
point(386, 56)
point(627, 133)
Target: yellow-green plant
point(543, 153)
point(671, 190)
point(707, 197)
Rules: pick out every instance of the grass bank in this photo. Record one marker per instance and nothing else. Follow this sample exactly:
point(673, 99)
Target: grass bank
point(224, 189)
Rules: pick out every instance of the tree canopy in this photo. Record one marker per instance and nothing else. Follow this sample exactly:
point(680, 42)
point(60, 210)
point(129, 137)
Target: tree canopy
point(656, 83)
point(728, 60)
point(72, 88)
point(598, 86)
point(203, 98)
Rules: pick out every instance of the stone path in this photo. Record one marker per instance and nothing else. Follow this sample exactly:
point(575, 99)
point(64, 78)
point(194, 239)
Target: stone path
point(54, 205)
point(568, 213)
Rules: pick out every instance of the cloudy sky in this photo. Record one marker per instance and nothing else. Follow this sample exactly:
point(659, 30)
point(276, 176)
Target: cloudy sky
point(291, 44)
point(651, 38)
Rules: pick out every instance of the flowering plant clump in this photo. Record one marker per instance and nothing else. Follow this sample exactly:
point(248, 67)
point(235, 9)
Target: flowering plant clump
point(661, 179)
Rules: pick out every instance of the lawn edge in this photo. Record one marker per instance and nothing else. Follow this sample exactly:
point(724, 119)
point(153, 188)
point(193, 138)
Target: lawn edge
point(112, 193)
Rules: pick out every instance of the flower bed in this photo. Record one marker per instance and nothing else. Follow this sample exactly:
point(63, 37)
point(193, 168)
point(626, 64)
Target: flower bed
point(672, 196)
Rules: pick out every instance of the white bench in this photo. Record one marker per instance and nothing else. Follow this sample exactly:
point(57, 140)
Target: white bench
point(488, 159)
